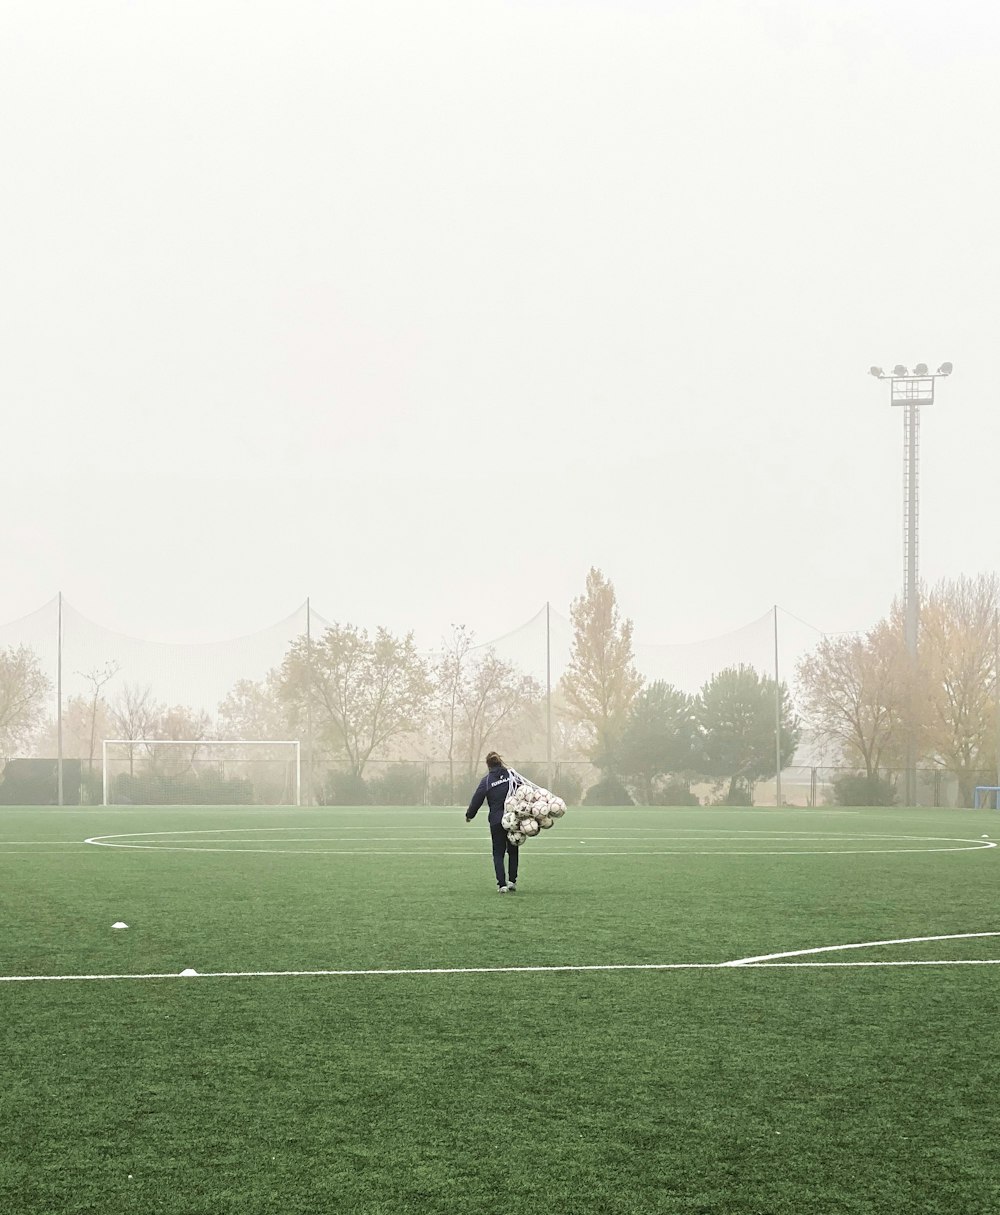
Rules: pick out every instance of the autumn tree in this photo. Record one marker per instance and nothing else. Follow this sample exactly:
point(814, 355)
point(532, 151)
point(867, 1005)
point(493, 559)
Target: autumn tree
point(855, 693)
point(957, 663)
point(254, 709)
point(23, 688)
point(736, 715)
point(179, 723)
point(79, 719)
point(364, 691)
point(601, 681)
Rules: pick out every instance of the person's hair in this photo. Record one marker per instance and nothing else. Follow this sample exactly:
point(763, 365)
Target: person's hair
point(493, 760)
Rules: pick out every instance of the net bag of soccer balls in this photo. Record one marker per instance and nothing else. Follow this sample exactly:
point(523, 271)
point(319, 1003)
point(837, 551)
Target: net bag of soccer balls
point(529, 809)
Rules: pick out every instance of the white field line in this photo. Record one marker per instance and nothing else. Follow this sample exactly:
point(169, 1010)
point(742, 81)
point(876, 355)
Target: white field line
point(492, 970)
point(973, 846)
point(768, 836)
point(677, 833)
point(828, 965)
point(799, 953)
point(476, 837)
point(477, 840)
point(427, 970)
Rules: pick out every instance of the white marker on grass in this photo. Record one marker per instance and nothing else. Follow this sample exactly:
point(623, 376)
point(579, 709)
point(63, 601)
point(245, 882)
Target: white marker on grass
point(119, 924)
point(189, 974)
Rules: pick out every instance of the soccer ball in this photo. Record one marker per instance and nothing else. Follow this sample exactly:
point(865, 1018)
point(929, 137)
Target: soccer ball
point(509, 820)
point(516, 837)
point(558, 808)
point(546, 821)
point(529, 826)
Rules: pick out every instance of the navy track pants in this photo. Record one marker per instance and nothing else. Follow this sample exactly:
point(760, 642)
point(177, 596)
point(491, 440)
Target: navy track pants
point(502, 846)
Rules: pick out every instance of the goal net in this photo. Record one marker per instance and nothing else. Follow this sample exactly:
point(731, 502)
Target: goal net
point(201, 772)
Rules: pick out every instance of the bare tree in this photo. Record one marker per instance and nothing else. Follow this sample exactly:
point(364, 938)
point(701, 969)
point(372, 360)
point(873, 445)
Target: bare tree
point(492, 696)
point(450, 677)
point(135, 714)
point(97, 677)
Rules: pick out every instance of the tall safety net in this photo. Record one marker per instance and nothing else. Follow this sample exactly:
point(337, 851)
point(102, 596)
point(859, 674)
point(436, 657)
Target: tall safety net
point(212, 695)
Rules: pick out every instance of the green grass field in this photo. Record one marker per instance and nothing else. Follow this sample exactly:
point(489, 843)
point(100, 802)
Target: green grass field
point(801, 1086)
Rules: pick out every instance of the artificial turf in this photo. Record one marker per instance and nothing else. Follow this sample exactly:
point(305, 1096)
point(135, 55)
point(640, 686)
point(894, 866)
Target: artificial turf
point(726, 1090)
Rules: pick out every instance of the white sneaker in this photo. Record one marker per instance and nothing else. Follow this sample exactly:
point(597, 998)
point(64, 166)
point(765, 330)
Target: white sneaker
point(501, 890)
point(512, 887)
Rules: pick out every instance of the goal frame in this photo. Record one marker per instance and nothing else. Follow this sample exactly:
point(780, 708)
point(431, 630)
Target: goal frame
point(202, 742)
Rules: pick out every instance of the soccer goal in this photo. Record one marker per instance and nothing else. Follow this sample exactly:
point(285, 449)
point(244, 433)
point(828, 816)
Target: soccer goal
point(986, 794)
point(201, 772)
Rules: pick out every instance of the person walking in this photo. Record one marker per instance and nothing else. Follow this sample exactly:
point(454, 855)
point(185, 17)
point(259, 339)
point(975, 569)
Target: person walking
point(493, 789)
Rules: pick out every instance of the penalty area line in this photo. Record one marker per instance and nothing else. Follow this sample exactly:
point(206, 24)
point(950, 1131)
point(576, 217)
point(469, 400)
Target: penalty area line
point(762, 958)
point(821, 965)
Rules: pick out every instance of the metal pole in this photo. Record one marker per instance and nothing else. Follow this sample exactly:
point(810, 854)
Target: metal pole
point(548, 692)
point(59, 719)
point(996, 694)
point(777, 716)
point(104, 770)
point(911, 418)
point(310, 791)
point(911, 390)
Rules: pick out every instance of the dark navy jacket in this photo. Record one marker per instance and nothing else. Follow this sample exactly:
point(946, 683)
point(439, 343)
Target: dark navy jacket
point(492, 789)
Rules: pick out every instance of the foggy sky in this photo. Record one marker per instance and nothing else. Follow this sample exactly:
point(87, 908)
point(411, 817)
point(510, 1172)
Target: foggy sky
point(421, 309)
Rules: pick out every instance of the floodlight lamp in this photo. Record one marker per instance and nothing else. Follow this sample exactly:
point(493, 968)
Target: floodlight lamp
point(899, 370)
point(945, 369)
point(920, 369)
point(876, 371)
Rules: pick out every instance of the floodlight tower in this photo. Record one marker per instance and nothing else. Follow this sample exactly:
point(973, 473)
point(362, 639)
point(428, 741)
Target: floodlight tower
point(910, 390)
